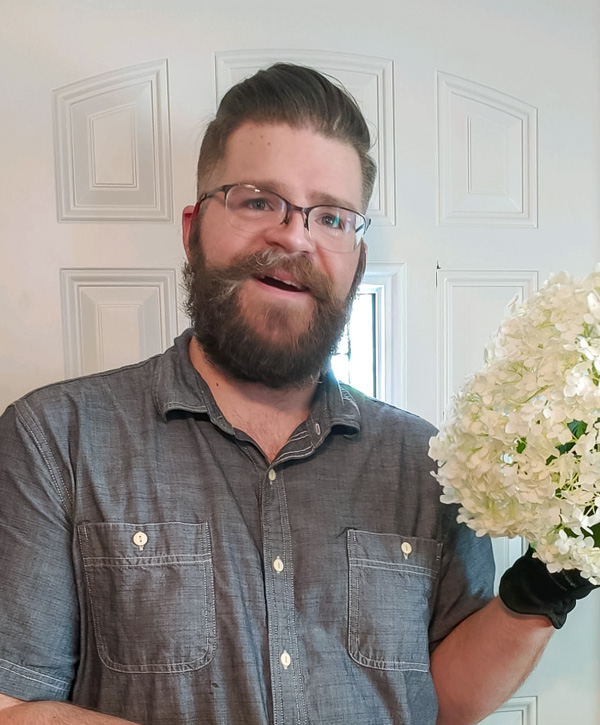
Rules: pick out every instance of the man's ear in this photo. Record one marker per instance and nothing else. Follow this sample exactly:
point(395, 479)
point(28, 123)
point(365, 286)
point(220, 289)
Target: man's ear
point(186, 222)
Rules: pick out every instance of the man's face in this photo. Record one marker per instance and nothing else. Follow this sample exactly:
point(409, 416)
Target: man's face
point(269, 306)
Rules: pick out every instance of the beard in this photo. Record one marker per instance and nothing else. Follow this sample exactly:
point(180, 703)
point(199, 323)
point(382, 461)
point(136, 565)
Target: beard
point(272, 345)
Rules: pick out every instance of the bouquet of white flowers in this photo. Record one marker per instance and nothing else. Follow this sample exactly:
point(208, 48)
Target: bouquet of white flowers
point(520, 449)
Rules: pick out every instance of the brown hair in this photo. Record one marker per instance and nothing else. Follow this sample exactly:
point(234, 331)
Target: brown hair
point(292, 94)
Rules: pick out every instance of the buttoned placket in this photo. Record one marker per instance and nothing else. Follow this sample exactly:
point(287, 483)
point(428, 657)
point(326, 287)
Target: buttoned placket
point(289, 704)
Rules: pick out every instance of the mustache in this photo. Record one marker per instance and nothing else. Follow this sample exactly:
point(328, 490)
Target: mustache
point(268, 261)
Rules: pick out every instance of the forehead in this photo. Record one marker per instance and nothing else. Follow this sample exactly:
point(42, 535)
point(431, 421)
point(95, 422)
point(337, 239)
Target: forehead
point(303, 165)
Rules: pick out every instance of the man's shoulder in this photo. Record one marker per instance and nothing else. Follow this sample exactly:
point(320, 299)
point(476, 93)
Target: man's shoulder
point(113, 382)
point(126, 387)
point(136, 392)
point(375, 413)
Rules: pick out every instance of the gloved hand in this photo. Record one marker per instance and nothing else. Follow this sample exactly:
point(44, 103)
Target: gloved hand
point(527, 587)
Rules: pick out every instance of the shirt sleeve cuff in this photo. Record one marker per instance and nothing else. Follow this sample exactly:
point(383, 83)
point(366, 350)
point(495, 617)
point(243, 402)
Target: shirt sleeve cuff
point(27, 684)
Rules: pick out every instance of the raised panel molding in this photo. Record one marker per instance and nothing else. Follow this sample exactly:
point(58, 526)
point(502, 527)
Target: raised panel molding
point(471, 305)
point(114, 317)
point(487, 156)
point(388, 282)
point(369, 80)
point(112, 146)
point(517, 711)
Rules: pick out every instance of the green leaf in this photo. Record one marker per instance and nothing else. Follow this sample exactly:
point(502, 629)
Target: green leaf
point(565, 447)
point(596, 534)
point(577, 428)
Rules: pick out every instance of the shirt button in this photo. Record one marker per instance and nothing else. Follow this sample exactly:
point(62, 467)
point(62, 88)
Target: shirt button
point(317, 429)
point(406, 549)
point(272, 475)
point(278, 565)
point(140, 539)
point(285, 660)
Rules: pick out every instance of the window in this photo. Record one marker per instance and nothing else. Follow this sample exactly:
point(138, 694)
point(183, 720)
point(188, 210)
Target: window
point(371, 354)
point(356, 357)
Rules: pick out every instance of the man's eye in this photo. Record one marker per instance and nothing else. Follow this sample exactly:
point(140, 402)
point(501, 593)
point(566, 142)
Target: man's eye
point(258, 204)
point(333, 221)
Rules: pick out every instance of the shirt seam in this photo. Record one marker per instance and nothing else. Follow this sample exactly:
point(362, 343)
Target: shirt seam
point(43, 448)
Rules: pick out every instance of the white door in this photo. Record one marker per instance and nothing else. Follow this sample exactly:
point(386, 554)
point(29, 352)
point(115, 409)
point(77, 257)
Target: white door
point(488, 138)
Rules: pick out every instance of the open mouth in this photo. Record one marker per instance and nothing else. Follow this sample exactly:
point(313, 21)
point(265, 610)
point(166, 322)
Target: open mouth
point(287, 285)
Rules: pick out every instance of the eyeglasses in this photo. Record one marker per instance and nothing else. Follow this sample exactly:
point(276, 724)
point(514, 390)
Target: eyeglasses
point(331, 227)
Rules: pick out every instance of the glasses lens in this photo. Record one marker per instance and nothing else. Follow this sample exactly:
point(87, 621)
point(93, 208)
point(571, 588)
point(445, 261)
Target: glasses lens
point(251, 208)
point(336, 228)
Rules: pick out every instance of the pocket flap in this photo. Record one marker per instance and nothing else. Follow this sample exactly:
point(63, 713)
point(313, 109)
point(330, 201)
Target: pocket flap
point(394, 551)
point(103, 543)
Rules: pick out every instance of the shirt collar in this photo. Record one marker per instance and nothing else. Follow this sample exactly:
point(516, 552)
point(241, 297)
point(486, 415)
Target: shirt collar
point(334, 406)
point(179, 386)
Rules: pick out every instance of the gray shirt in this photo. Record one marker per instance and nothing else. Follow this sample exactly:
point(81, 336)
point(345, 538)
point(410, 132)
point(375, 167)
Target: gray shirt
point(156, 567)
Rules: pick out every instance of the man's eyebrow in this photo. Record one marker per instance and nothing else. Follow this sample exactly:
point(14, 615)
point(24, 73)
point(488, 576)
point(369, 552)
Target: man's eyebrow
point(329, 200)
point(317, 198)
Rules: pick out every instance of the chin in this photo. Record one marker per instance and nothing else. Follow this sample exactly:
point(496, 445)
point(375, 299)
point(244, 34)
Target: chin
point(280, 325)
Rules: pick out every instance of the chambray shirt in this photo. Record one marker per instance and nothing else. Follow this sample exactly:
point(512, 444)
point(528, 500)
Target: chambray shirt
point(155, 566)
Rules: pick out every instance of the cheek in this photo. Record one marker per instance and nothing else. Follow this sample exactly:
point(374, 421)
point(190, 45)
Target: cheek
point(221, 242)
point(342, 271)
point(215, 241)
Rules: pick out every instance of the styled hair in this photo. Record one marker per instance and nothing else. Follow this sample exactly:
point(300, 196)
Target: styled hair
point(298, 96)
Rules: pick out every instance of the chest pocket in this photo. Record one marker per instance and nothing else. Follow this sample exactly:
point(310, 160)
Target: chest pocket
point(390, 585)
point(151, 594)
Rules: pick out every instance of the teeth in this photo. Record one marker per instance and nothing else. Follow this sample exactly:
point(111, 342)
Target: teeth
point(287, 282)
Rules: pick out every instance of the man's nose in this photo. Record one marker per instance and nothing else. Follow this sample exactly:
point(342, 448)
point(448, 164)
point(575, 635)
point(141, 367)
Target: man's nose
point(292, 234)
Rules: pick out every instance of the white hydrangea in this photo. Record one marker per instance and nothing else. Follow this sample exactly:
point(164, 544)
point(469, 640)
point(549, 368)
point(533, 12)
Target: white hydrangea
point(520, 449)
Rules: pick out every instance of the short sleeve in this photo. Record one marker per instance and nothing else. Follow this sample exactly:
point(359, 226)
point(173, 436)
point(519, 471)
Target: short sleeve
point(38, 602)
point(466, 579)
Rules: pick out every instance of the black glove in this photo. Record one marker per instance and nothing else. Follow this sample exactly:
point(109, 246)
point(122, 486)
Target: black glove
point(527, 587)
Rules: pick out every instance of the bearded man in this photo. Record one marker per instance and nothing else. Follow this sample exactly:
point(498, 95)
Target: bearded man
point(224, 533)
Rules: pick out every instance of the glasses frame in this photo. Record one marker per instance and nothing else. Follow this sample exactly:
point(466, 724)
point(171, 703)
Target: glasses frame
point(289, 208)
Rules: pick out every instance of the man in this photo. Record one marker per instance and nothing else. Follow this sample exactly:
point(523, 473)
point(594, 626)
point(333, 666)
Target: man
point(223, 534)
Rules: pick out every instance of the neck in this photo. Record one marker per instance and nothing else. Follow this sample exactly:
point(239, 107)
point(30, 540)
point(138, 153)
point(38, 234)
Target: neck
point(267, 415)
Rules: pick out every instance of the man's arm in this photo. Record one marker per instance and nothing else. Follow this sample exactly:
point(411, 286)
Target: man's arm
point(484, 660)
point(17, 712)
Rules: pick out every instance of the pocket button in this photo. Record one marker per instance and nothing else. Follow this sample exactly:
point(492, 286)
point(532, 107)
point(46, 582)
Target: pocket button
point(140, 539)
